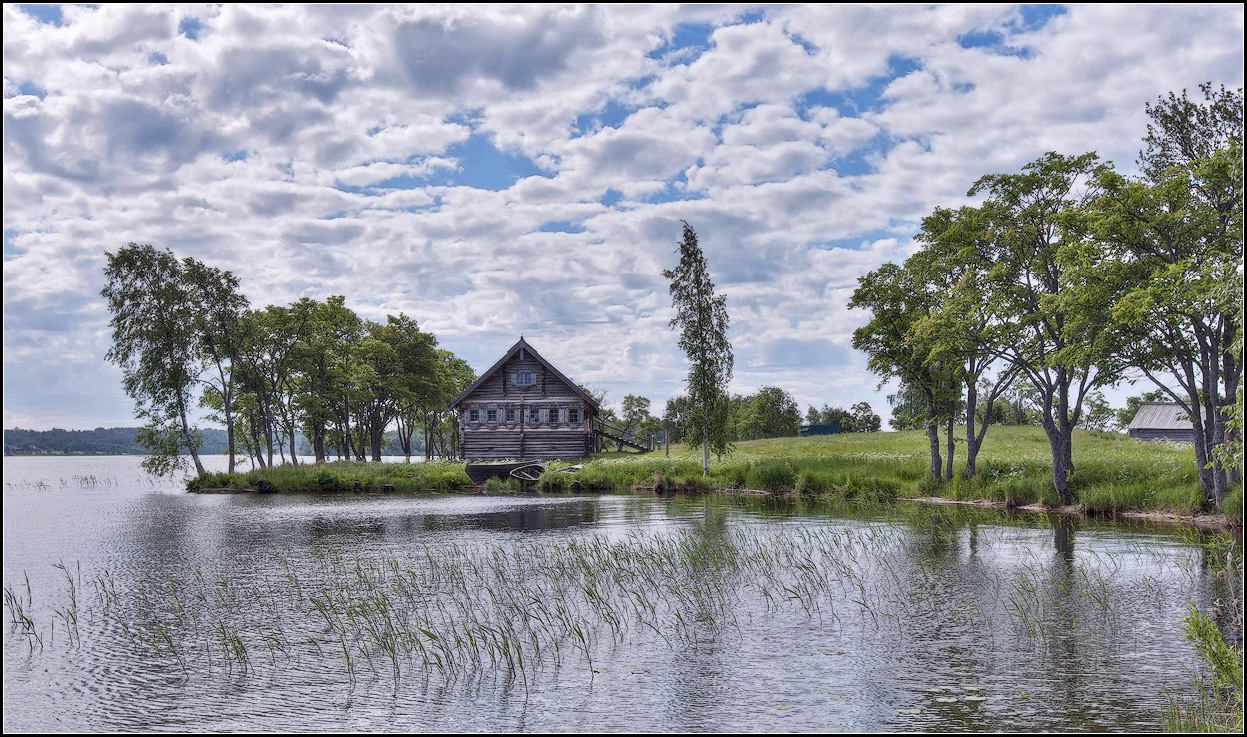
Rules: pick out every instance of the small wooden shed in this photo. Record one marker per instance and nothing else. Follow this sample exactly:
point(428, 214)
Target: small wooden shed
point(526, 409)
point(1162, 421)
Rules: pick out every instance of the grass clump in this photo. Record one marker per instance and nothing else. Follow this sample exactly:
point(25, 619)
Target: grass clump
point(1217, 705)
point(497, 485)
point(342, 476)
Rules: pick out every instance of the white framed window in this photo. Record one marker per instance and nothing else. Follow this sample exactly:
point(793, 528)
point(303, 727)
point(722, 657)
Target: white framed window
point(510, 415)
point(474, 416)
point(491, 416)
point(525, 378)
point(573, 415)
point(534, 415)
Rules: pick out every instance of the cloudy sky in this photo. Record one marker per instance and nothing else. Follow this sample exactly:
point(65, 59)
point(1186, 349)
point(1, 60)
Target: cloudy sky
point(497, 171)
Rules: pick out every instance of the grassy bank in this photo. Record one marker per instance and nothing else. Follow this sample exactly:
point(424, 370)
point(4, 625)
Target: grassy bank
point(344, 476)
point(1113, 472)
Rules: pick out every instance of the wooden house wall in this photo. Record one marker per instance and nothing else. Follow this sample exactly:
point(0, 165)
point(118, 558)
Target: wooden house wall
point(551, 437)
point(1177, 436)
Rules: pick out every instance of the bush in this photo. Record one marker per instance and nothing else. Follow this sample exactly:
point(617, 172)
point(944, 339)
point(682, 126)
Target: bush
point(495, 485)
point(771, 476)
point(327, 480)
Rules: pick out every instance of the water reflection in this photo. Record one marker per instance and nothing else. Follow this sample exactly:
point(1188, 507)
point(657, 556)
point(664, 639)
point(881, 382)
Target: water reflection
point(703, 614)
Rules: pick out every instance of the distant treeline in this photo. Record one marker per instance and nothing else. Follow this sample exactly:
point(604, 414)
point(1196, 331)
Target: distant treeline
point(122, 441)
point(100, 441)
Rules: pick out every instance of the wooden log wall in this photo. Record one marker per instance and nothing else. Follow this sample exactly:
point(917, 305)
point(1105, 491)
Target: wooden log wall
point(523, 411)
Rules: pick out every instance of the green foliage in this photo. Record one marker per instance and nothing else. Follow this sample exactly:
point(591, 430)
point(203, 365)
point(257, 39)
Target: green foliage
point(344, 476)
point(171, 320)
point(771, 475)
point(217, 480)
point(497, 485)
point(1218, 702)
point(701, 317)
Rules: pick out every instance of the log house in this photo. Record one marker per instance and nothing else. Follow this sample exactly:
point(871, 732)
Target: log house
point(524, 408)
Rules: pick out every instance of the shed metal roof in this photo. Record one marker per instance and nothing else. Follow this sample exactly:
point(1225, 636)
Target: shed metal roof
point(1160, 416)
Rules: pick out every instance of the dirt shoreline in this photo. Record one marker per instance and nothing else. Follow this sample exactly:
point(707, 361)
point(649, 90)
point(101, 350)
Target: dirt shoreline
point(1211, 522)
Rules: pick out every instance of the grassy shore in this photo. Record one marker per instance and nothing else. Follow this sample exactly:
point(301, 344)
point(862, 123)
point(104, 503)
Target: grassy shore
point(1114, 473)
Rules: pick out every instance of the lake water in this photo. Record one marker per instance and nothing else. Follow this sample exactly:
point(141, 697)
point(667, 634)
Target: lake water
point(132, 605)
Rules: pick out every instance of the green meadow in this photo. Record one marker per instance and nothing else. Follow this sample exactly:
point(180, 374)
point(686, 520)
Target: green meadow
point(1113, 473)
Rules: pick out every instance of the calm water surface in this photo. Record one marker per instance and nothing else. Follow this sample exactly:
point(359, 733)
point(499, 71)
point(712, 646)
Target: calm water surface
point(134, 606)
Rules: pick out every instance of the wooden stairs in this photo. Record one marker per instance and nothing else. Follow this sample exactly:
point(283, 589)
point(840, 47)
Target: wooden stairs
point(605, 432)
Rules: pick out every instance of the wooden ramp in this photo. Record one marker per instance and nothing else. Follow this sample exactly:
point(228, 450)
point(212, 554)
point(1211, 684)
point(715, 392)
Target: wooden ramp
point(619, 436)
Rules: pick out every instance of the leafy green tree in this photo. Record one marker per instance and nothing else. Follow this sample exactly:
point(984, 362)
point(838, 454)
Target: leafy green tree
point(1099, 415)
point(673, 418)
point(321, 365)
point(441, 425)
point(898, 298)
point(865, 418)
point(170, 320)
point(701, 316)
point(408, 373)
point(1170, 242)
point(219, 328)
point(770, 413)
point(1048, 326)
point(908, 407)
point(271, 356)
point(961, 329)
point(635, 410)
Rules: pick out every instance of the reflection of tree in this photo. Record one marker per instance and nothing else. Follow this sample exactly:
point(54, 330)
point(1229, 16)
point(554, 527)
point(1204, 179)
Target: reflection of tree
point(1063, 541)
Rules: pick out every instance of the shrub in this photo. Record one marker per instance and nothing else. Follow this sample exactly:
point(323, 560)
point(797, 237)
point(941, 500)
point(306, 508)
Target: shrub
point(495, 485)
point(327, 480)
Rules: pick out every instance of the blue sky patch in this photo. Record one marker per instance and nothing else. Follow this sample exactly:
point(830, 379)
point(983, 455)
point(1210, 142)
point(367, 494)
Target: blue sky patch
point(483, 167)
point(1031, 18)
point(562, 226)
point(11, 249)
point(869, 98)
point(190, 28)
point(612, 116)
point(687, 43)
point(611, 198)
point(50, 14)
point(1035, 17)
point(32, 89)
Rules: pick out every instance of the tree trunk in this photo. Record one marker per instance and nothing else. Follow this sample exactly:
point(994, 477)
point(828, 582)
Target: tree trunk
point(1062, 461)
point(191, 446)
point(972, 442)
point(705, 445)
point(933, 436)
point(948, 467)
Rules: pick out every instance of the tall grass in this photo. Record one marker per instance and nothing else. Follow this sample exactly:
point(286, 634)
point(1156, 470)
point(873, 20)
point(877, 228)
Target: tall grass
point(463, 614)
point(342, 476)
point(1217, 704)
point(1114, 473)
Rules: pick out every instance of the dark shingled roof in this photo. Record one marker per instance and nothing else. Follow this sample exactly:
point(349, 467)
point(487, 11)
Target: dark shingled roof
point(528, 349)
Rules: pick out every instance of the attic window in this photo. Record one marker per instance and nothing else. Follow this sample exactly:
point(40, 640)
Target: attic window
point(525, 378)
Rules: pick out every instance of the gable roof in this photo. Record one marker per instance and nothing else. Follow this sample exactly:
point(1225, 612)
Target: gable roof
point(521, 344)
point(1161, 416)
